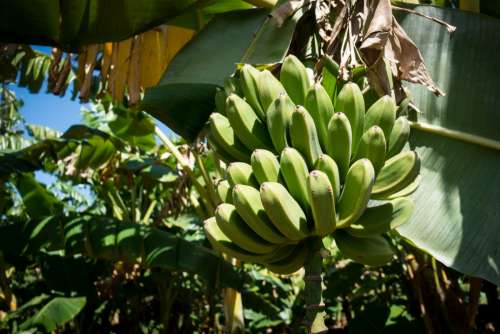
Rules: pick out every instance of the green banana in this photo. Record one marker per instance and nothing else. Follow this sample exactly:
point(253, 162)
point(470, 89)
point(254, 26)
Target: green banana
point(232, 86)
point(398, 172)
point(399, 136)
point(223, 134)
point(278, 118)
point(380, 219)
point(223, 244)
point(246, 124)
point(339, 145)
point(241, 173)
point(249, 82)
point(224, 191)
point(356, 192)
point(235, 228)
point(370, 251)
point(265, 166)
point(328, 166)
point(249, 206)
point(322, 198)
point(350, 101)
point(270, 89)
point(291, 263)
point(304, 136)
point(284, 211)
point(218, 150)
point(383, 114)
point(294, 171)
point(372, 147)
point(295, 79)
point(320, 106)
point(220, 101)
point(406, 191)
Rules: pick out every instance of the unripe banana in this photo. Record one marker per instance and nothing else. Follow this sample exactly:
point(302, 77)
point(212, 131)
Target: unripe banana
point(224, 191)
point(247, 201)
point(350, 102)
point(291, 263)
point(284, 211)
point(328, 166)
point(278, 118)
point(294, 171)
point(235, 228)
point(380, 219)
point(241, 173)
point(294, 78)
point(320, 106)
point(249, 81)
point(265, 166)
point(406, 191)
point(322, 198)
point(232, 86)
point(223, 244)
point(281, 253)
point(372, 147)
point(246, 124)
point(218, 150)
point(398, 172)
point(270, 88)
point(223, 134)
point(355, 193)
point(304, 136)
point(339, 145)
point(371, 251)
point(383, 114)
point(399, 136)
point(220, 101)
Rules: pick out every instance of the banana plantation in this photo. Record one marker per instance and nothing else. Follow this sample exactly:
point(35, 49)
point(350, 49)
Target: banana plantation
point(250, 166)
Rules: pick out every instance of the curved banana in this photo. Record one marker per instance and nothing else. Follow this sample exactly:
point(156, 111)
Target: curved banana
point(249, 206)
point(223, 244)
point(295, 79)
point(322, 197)
point(328, 166)
point(383, 114)
point(398, 172)
point(247, 126)
point(350, 102)
point(218, 150)
point(320, 106)
point(224, 191)
point(294, 171)
point(355, 193)
point(265, 166)
point(304, 136)
point(270, 88)
point(235, 228)
point(223, 134)
point(284, 211)
point(372, 147)
point(278, 118)
point(249, 82)
point(241, 173)
point(339, 145)
point(399, 136)
point(291, 263)
point(406, 191)
point(382, 218)
point(371, 251)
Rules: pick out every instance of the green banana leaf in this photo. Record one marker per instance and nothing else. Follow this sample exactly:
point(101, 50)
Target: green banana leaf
point(55, 313)
point(457, 217)
point(70, 24)
point(184, 97)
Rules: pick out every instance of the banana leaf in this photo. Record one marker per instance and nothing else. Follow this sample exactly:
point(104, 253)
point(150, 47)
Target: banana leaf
point(184, 97)
point(70, 24)
point(457, 218)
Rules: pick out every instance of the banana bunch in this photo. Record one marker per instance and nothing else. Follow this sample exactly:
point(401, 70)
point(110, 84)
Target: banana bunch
point(301, 165)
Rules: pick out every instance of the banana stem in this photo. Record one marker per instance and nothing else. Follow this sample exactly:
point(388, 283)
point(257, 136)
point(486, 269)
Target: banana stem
point(315, 314)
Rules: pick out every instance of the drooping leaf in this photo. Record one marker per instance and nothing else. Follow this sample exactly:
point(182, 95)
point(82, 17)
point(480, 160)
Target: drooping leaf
point(56, 313)
point(457, 205)
point(38, 201)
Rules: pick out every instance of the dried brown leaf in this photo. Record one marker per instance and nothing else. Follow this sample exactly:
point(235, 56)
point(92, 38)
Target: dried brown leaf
point(134, 73)
point(286, 10)
point(87, 72)
point(379, 25)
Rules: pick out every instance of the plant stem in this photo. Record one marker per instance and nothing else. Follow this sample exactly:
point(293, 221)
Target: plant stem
point(262, 3)
point(315, 314)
